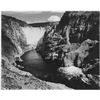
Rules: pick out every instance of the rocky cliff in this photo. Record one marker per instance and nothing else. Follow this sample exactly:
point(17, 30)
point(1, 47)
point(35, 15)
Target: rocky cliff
point(73, 45)
point(13, 39)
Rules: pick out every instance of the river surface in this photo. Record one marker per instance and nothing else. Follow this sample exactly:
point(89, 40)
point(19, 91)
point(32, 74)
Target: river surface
point(34, 64)
point(33, 61)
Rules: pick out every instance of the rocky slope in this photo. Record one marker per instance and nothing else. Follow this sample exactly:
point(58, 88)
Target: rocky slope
point(73, 46)
point(13, 44)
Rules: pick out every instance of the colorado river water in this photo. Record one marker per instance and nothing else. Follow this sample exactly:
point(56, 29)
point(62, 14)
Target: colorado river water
point(33, 61)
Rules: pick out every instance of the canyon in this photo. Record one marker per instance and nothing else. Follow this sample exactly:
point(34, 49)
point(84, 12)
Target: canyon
point(54, 55)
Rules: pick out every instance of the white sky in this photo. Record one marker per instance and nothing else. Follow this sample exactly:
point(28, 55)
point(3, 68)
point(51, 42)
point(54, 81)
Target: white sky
point(33, 16)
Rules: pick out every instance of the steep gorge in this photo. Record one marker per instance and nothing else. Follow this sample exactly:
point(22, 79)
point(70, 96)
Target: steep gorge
point(14, 43)
point(71, 45)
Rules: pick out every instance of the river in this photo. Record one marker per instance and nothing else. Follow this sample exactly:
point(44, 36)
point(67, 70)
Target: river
point(33, 61)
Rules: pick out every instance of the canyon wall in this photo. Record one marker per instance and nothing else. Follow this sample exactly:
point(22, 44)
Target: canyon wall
point(74, 43)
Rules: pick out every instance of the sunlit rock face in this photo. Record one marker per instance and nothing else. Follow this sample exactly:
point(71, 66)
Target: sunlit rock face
point(74, 42)
point(83, 25)
point(33, 34)
point(13, 39)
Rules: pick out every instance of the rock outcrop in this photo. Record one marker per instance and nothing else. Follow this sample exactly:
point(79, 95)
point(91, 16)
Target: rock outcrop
point(74, 42)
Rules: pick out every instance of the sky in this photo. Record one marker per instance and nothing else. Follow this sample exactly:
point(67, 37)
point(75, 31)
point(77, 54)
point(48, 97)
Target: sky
point(34, 16)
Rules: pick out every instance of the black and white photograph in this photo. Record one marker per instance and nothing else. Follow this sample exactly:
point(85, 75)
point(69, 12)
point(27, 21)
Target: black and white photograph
point(50, 50)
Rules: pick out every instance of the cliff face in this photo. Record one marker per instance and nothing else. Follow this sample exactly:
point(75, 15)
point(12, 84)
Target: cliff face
point(13, 43)
point(13, 39)
point(74, 42)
